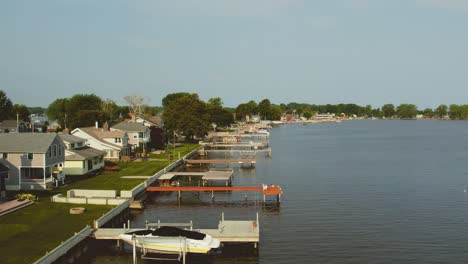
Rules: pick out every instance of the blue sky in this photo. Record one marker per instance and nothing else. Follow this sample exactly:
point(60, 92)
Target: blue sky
point(331, 51)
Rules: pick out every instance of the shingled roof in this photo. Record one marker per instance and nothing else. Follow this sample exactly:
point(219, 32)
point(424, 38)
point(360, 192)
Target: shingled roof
point(26, 142)
point(99, 134)
point(84, 153)
point(71, 139)
point(130, 127)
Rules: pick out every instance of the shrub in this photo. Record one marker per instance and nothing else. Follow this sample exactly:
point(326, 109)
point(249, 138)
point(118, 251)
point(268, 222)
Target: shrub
point(26, 196)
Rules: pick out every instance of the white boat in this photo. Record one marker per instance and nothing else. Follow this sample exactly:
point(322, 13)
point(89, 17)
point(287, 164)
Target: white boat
point(171, 240)
point(263, 130)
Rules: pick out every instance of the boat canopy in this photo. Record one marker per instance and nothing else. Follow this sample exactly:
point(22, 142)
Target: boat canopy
point(169, 231)
point(174, 231)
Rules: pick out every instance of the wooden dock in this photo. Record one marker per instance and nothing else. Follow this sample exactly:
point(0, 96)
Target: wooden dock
point(265, 190)
point(229, 231)
point(221, 161)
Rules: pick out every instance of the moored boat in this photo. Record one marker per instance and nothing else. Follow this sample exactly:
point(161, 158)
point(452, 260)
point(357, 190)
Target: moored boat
point(171, 240)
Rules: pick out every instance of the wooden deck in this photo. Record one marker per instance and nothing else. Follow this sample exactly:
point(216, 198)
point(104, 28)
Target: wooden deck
point(270, 190)
point(222, 161)
point(227, 232)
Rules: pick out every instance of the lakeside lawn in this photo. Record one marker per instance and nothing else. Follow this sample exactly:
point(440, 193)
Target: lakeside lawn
point(169, 151)
point(28, 233)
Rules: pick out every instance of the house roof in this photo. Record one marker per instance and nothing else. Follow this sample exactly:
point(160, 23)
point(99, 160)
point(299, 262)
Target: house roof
point(84, 153)
point(3, 168)
point(26, 142)
point(71, 139)
point(99, 134)
point(10, 123)
point(155, 120)
point(130, 127)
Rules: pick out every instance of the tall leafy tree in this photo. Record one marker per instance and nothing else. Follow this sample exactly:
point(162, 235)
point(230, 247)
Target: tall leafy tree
point(217, 114)
point(166, 101)
point(58, 110)
point(6, 107)
point(264, 108)
point(22, 111)
point(441, 111)
point(407, 111)
point(186, 114)
point(388, 110)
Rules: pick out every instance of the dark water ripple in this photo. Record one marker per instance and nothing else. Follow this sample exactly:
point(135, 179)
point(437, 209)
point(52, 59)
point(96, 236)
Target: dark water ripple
point(355, 192)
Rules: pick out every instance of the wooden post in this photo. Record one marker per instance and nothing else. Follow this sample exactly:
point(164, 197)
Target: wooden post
point(134, 249)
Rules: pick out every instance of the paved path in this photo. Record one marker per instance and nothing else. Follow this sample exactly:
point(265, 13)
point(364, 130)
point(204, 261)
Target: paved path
point(10, 206)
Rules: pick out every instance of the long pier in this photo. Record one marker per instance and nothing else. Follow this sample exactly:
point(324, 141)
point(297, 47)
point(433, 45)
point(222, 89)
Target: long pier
point(228, 231)
point(220, 161)
point(265, 190)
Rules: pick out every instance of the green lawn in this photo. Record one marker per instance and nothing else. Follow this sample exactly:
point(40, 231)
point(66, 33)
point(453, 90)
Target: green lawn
point(169, 152)
point(26, 235)
point(113, 181)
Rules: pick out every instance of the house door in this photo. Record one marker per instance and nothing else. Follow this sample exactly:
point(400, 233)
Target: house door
point(90, 165)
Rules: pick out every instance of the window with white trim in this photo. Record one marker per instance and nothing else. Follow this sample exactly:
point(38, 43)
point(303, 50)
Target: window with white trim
point(30, 156)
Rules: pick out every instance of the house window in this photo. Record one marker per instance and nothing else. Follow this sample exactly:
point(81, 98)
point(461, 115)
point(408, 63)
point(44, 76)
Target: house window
point(141, 135)
point(72, 145)
point(6, 175)
point(5, 155)
point(101, 159)
point(118, 140)
point(54, 151)
point(60, 151)
point(50, 152)
point(30, 156)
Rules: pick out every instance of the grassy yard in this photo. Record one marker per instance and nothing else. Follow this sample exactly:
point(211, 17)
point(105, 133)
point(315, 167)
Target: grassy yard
point(169, 151)
point(28, 233)
point(113, 180)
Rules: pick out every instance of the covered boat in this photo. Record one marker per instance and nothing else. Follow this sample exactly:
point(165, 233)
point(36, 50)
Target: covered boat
point(171, 240)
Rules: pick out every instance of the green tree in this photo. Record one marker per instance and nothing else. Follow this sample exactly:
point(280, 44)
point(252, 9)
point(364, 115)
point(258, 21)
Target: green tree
point(407, 111)
point(6, 107)
point(58, 110)
point(186, 114)
point(307, 114)
point(109, 110)
point(264, 109)
point(215, 102)
point(441, 111)
point(377, 113)
point(276, 112)
point(22, 110)
point(388, 110)
point(428, 113)
point(454, 111)
point(174, 96)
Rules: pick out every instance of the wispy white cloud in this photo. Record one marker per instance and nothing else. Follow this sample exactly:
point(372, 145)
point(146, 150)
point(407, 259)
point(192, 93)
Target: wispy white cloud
point(248, 8)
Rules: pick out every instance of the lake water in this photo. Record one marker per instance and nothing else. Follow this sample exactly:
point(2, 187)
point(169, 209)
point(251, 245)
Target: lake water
point(354, 192)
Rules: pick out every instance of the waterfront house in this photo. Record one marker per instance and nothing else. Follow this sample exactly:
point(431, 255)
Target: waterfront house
point(155, 125)
point(54, 127)
point(35, 160)
point(4, 170)
point(13, 126)
point(81, 159)
point(138, 134)
point(114, 143)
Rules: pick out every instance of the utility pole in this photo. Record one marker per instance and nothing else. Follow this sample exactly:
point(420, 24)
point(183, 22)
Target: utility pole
point(17, 122)
point(173, 146)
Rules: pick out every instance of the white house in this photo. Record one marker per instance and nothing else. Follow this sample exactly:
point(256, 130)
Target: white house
point(81, 159)
point(114, 143)
point(35, 160)
point(138, 134)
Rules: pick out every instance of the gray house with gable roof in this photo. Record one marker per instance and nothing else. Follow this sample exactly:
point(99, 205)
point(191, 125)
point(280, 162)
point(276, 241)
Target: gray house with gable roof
point(35, 160)
point(81, 159)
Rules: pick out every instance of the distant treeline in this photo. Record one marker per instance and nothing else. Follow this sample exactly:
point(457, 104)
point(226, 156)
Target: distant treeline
point(188, 114)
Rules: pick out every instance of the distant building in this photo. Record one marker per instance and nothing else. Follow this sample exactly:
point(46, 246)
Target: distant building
point(81, 159)
point(156, 126)
point(35, 160)
point(138, 134)
point(13, 126)
point(327, 116)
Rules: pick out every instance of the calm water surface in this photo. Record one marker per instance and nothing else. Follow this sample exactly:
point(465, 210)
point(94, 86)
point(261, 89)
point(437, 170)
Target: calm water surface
point(354, 192)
